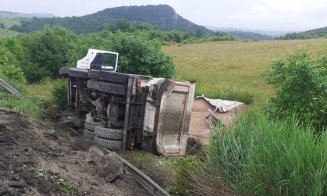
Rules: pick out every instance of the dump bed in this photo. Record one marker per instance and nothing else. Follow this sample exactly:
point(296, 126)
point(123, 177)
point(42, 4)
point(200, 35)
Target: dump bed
point(169, 118)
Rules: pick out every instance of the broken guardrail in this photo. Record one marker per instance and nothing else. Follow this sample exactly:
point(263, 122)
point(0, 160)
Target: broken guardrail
point(9, 88)
point(148, 184)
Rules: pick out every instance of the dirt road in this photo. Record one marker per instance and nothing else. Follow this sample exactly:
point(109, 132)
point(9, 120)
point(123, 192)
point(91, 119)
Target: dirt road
point(40, 158)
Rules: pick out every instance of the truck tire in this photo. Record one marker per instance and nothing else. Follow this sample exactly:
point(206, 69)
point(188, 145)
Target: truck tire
point(108, 133)
point(91, 125)
point(78, 73)
point(109, 144)
point(106, 87)
point(88, 134)
point(109, 76)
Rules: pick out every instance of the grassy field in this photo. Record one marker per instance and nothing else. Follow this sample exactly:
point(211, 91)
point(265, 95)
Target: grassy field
point(232, 70)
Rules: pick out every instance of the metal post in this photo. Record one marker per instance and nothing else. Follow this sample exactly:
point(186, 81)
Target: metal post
point(128, 100)
point(70, 96)
point(77, 101)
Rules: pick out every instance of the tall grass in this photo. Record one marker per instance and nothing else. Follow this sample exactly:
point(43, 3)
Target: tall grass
point(262, 157)
point(28, 103)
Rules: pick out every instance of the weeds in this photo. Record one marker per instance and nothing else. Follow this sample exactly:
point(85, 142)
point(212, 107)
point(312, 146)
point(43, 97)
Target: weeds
point(66, 185)
point(62, 183)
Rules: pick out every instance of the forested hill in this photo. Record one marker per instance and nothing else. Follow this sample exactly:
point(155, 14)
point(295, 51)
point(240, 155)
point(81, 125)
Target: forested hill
point(162, 16)
point(311, 34)
point(249, 35)
point(7, 14)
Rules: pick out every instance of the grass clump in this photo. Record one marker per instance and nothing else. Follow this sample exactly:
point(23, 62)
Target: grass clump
point(262, 157)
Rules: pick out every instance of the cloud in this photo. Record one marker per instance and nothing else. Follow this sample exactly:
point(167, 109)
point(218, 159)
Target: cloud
point(255, 14)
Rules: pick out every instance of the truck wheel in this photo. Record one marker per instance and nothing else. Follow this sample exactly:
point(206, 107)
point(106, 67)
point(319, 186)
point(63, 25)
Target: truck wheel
point(91, 125)
point(78, 73)
point(109, 76)
point(111, 88)
point(108, 133)
point(88, 134)
point(109, 144)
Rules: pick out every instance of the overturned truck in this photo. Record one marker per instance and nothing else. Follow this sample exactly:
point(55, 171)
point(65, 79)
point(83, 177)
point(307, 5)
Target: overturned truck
point(125, 111)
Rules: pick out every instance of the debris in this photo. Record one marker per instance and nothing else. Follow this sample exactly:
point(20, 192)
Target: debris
point(207, 113)
point(9, 88)
point(108, 166)
point(220, 104)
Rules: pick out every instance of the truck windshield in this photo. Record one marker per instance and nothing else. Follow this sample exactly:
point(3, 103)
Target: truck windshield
point(108, 61)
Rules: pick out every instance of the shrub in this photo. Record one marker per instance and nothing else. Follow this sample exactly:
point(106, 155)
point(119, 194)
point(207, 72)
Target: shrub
point(300, 82)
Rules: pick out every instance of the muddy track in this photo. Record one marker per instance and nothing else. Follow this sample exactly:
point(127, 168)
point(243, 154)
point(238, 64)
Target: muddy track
point(40, 158)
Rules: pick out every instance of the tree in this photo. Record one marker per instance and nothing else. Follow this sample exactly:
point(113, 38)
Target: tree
point(141, 56)
point(47, 51)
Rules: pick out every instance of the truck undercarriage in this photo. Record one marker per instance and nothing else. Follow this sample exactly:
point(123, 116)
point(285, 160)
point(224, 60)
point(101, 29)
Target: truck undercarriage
point(124, 111)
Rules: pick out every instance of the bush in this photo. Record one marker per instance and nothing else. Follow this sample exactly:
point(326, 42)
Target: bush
point(300, 82)
point(262, 157)
point(59, 94)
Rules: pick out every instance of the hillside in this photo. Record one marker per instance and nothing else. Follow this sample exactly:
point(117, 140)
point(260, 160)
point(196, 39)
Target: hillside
point(310, 34)
point(5, 25)
point(8, 14)
point(249, 35)
point(162, 16)
point(5, 33)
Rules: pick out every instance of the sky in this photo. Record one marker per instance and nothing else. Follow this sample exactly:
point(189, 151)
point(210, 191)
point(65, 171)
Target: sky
point(269, 15)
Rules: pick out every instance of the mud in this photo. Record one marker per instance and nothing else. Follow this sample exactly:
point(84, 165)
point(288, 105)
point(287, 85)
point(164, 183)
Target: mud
point(40, 158)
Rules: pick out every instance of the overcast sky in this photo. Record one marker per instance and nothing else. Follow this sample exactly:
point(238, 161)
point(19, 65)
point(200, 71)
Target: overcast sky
point(284, 15)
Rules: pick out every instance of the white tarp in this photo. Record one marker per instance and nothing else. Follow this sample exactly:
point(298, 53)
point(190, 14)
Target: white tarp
point(221, 105)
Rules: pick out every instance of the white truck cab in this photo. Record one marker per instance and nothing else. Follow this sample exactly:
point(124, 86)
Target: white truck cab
point(99, 59)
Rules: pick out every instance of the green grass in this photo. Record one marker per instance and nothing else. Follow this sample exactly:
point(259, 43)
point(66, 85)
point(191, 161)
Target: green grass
point(5, 33)
point(232, 69)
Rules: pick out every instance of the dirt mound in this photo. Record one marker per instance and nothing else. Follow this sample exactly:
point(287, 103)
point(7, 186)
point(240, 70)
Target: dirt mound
point(36, 159)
